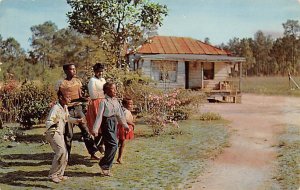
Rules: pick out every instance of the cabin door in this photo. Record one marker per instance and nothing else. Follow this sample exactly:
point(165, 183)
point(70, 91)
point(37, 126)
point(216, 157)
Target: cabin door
point(187, 74)
point(193, 75)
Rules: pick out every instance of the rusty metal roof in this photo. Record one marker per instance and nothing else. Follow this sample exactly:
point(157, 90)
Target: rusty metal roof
point(178, 45)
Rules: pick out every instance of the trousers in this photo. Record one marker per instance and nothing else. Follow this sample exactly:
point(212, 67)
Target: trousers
point(109, 134)
point(60, 158)
point(87, 138)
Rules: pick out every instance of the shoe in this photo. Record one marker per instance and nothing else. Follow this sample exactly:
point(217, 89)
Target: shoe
point(55, 180)
point(63, 177)
point(94, 157)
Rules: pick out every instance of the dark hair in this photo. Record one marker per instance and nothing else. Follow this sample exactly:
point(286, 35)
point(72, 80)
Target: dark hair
point(126, 100)
point(98, 66)
point(66, 66)
point(107, 85)
point(60, 94)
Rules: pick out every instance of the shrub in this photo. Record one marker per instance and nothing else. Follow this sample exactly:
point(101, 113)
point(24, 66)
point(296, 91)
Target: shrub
point(34, 103)
point(9, 101)
point(210, 116)
point(161, 111)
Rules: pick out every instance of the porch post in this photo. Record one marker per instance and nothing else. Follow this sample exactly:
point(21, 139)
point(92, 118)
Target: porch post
point(202, 82)
point(241, 73)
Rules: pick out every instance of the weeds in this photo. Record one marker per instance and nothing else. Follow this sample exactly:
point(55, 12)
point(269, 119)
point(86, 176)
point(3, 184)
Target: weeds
point(210, 116)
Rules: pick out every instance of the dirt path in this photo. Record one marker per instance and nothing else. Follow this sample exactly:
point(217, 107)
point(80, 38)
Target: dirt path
point(250, 160)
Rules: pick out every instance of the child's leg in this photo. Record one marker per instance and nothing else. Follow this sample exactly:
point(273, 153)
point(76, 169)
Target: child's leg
point(121, 149)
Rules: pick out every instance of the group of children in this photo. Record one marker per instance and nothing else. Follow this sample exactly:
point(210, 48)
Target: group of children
point(108, 122)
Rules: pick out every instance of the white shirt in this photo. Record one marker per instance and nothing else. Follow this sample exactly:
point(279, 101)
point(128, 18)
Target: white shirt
point(128, 115)
point(59, 115)
point(95, 87)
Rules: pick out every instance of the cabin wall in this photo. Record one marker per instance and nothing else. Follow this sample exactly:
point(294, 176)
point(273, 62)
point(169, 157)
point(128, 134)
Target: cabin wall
point(221, 73)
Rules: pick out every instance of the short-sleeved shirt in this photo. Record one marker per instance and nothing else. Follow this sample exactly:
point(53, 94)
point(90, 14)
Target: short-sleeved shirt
point(71, 88)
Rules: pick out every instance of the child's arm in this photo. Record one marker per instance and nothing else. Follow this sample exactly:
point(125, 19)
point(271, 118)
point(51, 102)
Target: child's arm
point(131, 123)
point(122, 119)
point(98, 121)
point(74, 120)
point(52, 118)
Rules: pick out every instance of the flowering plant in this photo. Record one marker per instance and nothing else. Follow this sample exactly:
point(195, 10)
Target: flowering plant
point(161, 111)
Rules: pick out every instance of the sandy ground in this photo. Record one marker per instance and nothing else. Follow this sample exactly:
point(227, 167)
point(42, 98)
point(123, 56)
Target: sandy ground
point(250, 160)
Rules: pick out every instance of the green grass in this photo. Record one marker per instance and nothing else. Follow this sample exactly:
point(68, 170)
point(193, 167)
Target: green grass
point(289, 158)
point(169, 161)
point(270, 86)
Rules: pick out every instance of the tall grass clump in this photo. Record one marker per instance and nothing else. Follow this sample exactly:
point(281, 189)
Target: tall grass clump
point(210, 116)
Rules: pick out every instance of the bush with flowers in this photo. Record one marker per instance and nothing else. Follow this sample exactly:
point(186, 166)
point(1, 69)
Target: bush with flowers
point(9, 101)
point(167, 108)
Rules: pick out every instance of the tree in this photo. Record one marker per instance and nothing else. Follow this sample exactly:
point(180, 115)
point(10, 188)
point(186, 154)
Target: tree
point(41, 42)
point(291, 28)
point(246, 51)
point(115, 22)
point(262, 48)
point(291, 33)
point(206, 40)
point(11, 50)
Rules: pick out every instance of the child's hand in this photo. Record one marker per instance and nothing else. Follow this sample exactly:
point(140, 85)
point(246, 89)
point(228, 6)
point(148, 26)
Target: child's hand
point(127, 130)
point(95, 133)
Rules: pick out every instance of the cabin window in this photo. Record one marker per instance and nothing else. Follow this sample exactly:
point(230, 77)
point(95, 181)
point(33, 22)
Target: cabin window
point(208, 71)
point(164, 71)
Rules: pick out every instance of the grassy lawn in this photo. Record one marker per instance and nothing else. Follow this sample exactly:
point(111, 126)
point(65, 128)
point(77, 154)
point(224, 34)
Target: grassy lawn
point(151, 162)
point(270, 86)
point(289, 158)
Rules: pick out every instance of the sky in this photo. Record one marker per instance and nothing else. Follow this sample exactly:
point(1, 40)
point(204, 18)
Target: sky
point(219, 20)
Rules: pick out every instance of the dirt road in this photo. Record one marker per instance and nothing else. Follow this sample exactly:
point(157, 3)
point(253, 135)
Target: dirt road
point(250, 161)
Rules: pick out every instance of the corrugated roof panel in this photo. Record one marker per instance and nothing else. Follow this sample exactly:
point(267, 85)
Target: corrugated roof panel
point(178, 45)
point(182, 47)
point(207, 48)
point(168, 45)
point(196, 48)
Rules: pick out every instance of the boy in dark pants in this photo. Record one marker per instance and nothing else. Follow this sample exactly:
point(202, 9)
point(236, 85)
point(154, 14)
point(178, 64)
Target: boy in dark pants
point(109, 114)
point(71, 87)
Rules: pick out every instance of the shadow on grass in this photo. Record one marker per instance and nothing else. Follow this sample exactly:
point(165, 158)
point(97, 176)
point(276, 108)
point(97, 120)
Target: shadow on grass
point(31, 179)
point(30, 138)
point(46, 159)
point(22, 178)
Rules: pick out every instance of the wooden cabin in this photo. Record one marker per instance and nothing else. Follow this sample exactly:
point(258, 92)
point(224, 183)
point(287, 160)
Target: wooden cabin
point(181, 62)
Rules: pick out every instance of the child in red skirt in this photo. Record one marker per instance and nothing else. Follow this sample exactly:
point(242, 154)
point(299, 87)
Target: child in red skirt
point(122, 134)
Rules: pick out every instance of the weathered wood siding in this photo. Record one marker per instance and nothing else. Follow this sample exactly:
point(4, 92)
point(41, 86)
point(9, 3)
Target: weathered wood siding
point(220, 74)
point(195, 74)
point(221, 71)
